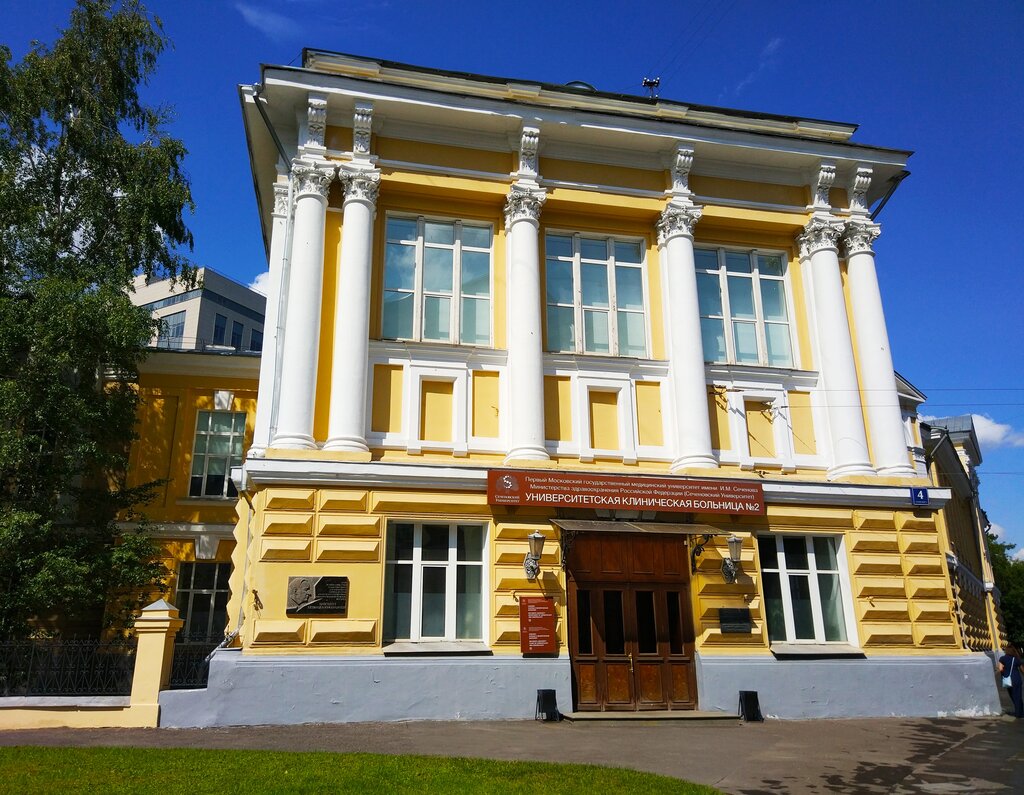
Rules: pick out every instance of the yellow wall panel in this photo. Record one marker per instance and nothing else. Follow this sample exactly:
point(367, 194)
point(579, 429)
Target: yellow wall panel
point(338, 138)
point(386, 413)
point(343, 630)
point(287, 524)
point(485, 403)
point(436, 411)
point(760, 434)
point(286, 549)
point(347, 549)
point(154, 449)
point(279, 631)
point(342, 500)
point(604, 419)
point(648, 413)
point(442, 502)
point(718, 414)
point(557, 408)
point(332, 259)
point(284, 499)
point(364, 526)
point(442, 155)
point(603, 174)
point(718, 187)
point(802, 418)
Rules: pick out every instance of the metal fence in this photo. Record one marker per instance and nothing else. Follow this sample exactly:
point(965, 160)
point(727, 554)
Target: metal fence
point(66, 667)
point(190, 667)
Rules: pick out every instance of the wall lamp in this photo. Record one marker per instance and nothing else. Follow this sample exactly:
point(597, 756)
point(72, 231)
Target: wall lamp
point(731, 564)
point(531, 563)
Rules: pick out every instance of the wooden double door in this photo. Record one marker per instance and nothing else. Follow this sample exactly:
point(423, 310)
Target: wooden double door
point(631, 627)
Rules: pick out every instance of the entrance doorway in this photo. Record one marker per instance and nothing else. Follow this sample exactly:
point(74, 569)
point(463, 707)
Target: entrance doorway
point(631, 637)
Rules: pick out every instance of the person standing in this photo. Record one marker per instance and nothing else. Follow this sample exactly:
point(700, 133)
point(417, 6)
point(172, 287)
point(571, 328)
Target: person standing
point(1009, 665)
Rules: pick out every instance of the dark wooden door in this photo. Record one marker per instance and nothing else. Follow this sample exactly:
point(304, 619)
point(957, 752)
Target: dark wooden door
point(631, 628)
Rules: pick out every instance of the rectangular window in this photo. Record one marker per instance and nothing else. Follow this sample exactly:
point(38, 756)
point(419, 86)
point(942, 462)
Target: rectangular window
point(744, 313)
point(434, 582)
point(220, 328)
point(803, 589)
point(595, 295)
point(256, 340)
point(218, 447)
point(437, 281)
point(172, 331)
point(237, 329)
point(203, 599)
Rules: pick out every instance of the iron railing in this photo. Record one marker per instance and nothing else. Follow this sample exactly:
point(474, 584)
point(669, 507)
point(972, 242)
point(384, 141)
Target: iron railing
point(190, 667)
point(66, 667)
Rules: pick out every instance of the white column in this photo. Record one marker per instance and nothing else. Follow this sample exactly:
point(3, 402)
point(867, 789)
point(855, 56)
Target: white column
point(525, 425)
point(347, 424)
point(302, 327)
point(878, 382)
point(274, 318)
point(838, 370)
point(686, 351)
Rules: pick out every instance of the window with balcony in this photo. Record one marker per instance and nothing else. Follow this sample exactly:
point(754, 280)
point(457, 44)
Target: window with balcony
point(217, 448)
point(804, 580)
point(437, 281)
point(743, 307)
point(595, 295)
point(433, 587)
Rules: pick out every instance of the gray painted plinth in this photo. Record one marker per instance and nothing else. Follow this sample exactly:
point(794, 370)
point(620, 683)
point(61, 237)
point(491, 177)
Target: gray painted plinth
point(246, 691)
point(870, 687)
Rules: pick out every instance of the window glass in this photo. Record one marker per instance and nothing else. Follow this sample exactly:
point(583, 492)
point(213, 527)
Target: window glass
point(614, 628)
point(256, 340)
point(775, 613)
point(832, 607)
point(584, 634)
point(431, 271)
point(202, 596)
point(434, 582)
point(220, 328)
point(172, 331)
point(755, 307)
point(218, 446)
point(595, 295)
point(796, 552)
point(712, 332)
point(237, 330)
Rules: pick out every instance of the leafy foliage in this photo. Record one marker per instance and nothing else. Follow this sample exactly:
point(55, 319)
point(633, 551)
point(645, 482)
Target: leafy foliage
point(1009, 576)
point(92, 192)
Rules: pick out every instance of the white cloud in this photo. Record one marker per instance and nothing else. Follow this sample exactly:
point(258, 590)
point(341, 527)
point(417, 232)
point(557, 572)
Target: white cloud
point(270, 24)
point(261, 283)
point(766, 62)
point(996, 434)
point(997, 530)
point(1018, 555)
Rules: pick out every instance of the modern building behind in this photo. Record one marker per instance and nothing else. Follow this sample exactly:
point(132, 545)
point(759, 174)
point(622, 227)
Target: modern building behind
point(217, 313)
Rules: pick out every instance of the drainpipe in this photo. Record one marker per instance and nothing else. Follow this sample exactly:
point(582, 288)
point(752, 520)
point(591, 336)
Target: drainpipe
point(893, 184)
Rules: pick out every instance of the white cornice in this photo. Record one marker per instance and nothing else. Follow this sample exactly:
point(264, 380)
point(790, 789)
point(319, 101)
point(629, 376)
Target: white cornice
point(257, 473)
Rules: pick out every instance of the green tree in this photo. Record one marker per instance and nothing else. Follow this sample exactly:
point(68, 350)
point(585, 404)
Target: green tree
point(92, 192)
point(1009, 576)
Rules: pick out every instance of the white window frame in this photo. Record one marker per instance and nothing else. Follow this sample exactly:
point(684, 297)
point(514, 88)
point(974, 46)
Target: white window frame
point(759, 321)
point(613, 307)
point(451, 572)
point(456, 296)
point(850, 624)
point(232, 460)
point(184, 597)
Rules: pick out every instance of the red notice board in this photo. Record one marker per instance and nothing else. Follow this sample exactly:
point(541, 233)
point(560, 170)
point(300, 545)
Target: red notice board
point(537, 625)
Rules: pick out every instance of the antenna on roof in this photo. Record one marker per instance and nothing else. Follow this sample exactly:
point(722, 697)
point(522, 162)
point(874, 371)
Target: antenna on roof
point(651, 84)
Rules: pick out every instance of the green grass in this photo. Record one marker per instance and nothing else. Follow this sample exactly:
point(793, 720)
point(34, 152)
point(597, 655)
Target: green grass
point(25, 769)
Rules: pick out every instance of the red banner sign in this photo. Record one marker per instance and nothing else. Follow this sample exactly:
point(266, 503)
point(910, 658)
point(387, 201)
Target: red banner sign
point(537, 625)
point(622, 492)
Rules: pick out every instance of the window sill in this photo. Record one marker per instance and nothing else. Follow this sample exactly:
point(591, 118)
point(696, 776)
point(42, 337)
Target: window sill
point(223, 501)
point(437, 647)
point(814, 650)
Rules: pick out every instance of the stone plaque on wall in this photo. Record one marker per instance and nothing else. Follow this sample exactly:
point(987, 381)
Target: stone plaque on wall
point(317, 596)
point(735, 621)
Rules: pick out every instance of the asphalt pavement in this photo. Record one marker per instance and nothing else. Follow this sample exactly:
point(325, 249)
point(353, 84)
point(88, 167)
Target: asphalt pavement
point(890, 755)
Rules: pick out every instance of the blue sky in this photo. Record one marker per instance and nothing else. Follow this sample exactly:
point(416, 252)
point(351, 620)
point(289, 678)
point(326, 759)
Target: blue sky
point(942, 78)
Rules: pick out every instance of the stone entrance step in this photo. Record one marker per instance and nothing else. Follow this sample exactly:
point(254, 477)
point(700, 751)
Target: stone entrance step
point(678, 714)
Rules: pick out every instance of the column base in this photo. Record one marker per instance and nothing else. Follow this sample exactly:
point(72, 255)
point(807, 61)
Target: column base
point(846, 470)
point(898, 471)
point(527, 453)
point(694, 462)
point(294, 441)
point(346, 444)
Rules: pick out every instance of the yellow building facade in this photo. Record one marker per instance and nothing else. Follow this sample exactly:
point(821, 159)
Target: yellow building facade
point(646, 334)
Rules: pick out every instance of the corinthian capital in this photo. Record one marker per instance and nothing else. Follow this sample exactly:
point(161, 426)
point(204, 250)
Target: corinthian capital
point(818, 234)
point(859, 236)
point(677, 220)
point(523, 204)
point(312, 179)
point(360, 185)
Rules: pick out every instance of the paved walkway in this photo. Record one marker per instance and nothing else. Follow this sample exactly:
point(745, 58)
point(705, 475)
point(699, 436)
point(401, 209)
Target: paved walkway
point(893, 755)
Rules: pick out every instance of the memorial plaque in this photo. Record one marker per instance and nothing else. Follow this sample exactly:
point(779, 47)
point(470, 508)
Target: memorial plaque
point(735, 620)
point(537, 625)
point(317, 596)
